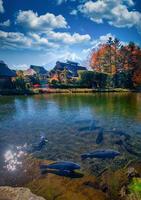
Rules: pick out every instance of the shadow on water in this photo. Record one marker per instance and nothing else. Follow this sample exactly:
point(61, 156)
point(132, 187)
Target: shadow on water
point(70, 174)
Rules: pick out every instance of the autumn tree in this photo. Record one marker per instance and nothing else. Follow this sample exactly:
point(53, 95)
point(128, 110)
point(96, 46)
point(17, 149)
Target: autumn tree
point(121, 62)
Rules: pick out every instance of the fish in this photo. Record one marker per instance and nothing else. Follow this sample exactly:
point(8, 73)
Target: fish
point(103, 153)
point(121, 133)
point(61, 166)
point(66, 173)
point(37, 147)
point(40, 145)
point(87, 128)
point(83, 121)
point(99, 138)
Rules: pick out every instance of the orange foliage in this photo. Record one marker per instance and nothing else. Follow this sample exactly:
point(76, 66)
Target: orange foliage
point(115, 58)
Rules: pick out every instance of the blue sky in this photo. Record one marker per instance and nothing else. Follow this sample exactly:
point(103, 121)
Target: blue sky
point(42, 32)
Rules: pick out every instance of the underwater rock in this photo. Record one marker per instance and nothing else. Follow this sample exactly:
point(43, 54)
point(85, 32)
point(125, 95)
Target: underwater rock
point(10, 193)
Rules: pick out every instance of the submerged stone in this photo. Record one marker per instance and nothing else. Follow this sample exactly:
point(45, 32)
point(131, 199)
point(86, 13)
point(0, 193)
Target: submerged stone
point(10, 193)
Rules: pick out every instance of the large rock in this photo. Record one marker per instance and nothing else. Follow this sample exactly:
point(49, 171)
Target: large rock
point(19, 193)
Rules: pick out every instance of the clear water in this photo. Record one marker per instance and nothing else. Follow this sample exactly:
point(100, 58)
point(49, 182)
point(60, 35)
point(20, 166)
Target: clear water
point(71, 124)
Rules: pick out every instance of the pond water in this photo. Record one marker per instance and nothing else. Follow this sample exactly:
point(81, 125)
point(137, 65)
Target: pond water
point(73, 124)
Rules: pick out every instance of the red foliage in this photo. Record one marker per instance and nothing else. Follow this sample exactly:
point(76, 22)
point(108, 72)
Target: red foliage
point(114, 58)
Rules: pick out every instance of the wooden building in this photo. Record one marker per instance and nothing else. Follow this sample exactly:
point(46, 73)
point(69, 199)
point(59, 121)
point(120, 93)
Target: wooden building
point(6, 76)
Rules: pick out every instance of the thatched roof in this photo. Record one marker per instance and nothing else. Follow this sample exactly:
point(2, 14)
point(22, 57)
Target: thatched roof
point(38, 69)
point(5, 71)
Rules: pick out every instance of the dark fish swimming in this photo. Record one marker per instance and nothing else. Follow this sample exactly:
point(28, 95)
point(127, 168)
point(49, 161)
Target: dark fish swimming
point(121, 133)
point(104, 153)
point(87, 128)
point(37, 147)
point(41, 144)
point(62, 166)
point(99, 138)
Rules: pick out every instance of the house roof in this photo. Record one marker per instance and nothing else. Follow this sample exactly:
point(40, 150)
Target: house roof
point(5, 71)
point(39, 69)
point(73, 67)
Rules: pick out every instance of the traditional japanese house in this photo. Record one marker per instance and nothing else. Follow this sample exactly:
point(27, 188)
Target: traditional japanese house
point(6, 76)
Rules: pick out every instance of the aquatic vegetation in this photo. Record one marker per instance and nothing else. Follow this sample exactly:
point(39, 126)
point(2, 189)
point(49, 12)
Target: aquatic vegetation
point(135, 185)
point(112, 182)
point(63, 188)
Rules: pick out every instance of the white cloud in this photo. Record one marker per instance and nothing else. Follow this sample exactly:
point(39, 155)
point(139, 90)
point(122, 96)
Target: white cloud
point(115, 12)
point(123, 18)
point(38, 41)
point(17, 40)
point(20, 67)
point(96, 43)
point(32, 21)
point(5, 23)
point(101, 40)
point(63, 55)
point(13, 39)
point(67, 38)
point(74, 12)
point(1, 7)
point(59, 2)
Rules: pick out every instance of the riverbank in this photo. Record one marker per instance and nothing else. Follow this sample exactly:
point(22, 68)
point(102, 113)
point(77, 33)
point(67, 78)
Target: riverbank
point(65, 91)
point(80, 90)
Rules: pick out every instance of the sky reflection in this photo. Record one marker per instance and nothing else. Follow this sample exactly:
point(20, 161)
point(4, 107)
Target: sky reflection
point(13, 158)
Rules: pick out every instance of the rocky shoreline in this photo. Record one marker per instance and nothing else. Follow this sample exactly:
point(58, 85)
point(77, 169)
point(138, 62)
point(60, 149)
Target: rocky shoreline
point(17, 193)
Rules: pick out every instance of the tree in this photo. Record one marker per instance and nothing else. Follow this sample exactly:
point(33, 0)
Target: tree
point(64, 76)
point(137, 78)
point(93, 79)
point(122, 63)
point(109, 52)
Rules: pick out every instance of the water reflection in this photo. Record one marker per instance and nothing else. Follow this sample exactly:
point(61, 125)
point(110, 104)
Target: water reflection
point(13, 158)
